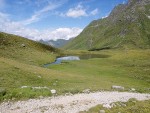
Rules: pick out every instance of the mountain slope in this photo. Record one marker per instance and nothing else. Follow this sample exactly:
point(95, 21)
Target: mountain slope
point(25, 50)
point(127, 26)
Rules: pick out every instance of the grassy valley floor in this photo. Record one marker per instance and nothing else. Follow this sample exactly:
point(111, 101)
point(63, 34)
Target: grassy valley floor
point(127, 68)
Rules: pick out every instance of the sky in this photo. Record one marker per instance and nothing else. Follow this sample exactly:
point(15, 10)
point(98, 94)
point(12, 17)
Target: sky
point(51, 19)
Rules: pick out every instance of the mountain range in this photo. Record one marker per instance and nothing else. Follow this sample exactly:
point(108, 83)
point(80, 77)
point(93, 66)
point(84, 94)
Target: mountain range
point(127, 26)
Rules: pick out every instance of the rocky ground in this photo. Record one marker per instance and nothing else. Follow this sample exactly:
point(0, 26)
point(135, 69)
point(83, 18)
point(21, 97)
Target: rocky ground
point(69, 103)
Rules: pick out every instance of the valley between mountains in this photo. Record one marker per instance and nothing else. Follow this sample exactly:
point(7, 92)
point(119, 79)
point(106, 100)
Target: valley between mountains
point(116, 82)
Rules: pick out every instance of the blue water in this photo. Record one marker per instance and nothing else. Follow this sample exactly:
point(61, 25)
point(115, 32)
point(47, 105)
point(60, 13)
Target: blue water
point(83, 57)
point(60, 59)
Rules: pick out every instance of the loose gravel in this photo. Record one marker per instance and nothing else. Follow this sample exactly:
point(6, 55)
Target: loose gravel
point(70, 103)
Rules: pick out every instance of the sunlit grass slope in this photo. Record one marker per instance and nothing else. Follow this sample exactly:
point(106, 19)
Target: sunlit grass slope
point(23, 66)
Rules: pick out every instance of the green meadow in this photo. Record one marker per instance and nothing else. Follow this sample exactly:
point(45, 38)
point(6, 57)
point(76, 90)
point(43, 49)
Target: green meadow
point(23, 66)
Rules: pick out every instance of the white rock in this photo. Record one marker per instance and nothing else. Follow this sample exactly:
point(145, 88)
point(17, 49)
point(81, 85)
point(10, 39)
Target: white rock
point(106, 106)
point(24, 86)
point(40, 87)
point(53, 91)
point(39, 77)
point(86, 91)
point(23, 45)
point(113, 105)
point(132, 89)
point(117, 87)
point(102, 111)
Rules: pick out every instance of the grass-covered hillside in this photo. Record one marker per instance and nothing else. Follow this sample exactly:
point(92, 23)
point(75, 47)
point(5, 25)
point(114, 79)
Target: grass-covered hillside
point(24, 50)
point(127, 26)
point(22, 75)
point(20, 63)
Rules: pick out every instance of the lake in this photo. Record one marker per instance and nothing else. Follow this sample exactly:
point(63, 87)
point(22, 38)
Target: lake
point(72, 58)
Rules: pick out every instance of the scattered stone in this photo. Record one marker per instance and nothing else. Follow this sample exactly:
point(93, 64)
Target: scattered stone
point(132, 89)
point(53, 91)
point(24, 86)
point(39, 76)
point(23, 45)
point(122, 104)
point(117, 104)
point(106, 106)
point(86, 91)
point(113, 105)
point(71, 104)
point(68, 94)
point(117, 87)
point(40, 87)
point(102, 111)
point(13, 98)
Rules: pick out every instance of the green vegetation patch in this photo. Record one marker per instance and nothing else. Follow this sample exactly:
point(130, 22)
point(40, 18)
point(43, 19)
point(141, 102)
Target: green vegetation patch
point(132, 106)
point(127, 68)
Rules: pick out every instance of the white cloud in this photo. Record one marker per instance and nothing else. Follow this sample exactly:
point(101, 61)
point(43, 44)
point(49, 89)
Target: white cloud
point(76, 12)
point(62, 33)
point(37, 15)
point(94, 12)
point(79, 11)
point(16, 28)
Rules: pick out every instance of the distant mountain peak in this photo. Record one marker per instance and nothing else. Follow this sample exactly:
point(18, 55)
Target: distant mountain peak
point(128, 25)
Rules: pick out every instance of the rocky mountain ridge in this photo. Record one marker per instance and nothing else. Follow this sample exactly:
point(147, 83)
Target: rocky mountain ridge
point(127, 26)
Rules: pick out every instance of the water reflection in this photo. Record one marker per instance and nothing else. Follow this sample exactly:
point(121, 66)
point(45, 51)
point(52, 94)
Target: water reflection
point(69, 58)
point(60, 59)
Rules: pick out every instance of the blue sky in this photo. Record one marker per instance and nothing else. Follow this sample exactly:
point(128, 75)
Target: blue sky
point(51, 19)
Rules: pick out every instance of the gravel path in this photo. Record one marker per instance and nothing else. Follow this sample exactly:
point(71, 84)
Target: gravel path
point(69, 104)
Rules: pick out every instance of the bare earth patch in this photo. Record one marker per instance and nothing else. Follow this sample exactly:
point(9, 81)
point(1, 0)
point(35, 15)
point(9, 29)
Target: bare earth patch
point(69, 104)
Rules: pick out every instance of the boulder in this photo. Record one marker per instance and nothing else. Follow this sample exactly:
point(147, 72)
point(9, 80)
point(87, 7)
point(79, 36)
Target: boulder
point(53, 91)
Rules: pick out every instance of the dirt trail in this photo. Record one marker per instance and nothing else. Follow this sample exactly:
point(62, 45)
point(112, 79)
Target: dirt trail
point(69, 104)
